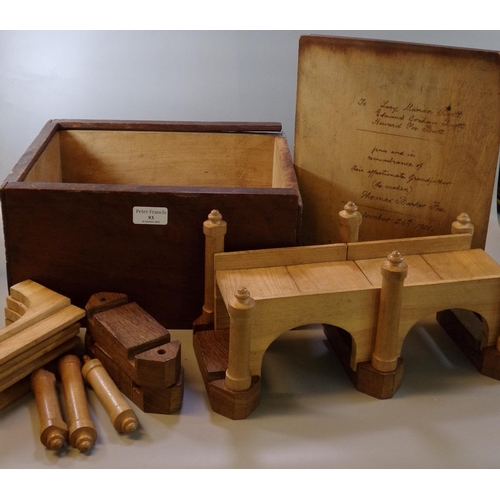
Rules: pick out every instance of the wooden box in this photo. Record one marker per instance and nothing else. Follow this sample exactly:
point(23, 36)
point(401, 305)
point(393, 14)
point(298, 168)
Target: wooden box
point(119, 207)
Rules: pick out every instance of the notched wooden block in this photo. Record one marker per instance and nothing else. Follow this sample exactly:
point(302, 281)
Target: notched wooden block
point(160, 366)
point(136, 351)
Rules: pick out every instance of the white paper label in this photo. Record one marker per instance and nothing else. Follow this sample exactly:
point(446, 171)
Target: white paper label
point(157, 216)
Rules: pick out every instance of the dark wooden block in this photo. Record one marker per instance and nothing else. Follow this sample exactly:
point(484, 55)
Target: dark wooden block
point(72, 195)
point(466, 330)
point(127, 330)
point(365, 378)
point(164, 400)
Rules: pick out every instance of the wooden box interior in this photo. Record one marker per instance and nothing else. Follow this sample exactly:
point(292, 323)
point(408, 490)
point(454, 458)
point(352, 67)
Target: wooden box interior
point(195, 159)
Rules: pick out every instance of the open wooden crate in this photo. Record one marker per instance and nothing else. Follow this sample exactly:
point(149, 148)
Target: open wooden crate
point(117, 206)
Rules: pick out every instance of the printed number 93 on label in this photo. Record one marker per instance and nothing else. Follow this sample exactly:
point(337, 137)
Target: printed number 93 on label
point(157, 216)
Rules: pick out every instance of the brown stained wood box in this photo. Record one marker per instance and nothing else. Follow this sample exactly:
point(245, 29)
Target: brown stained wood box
point(77, 207)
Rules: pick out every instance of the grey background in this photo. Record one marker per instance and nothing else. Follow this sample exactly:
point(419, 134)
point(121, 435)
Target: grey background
point(162, 75)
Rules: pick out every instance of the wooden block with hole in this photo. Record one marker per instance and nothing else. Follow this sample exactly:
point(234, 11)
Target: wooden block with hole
point(136, 351)
point(40, 326)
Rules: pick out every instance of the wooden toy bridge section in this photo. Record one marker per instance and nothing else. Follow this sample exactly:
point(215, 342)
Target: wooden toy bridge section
point(367, 295)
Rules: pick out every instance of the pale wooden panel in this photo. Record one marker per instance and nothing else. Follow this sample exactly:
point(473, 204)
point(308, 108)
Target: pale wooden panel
point(262, 283)
point(283, 169)
point(48, 166)
point(38, 332)
point(167, 158)
point(28, 355)
point(408, 246)
point(474, 264)
point(409, 133)
point(328, 277)
point(419, 272)
point(354, 311)
point(37, 362)
point(280, 256)
point(478, 295)
point(40, 302)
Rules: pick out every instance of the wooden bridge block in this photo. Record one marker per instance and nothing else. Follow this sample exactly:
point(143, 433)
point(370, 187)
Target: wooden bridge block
point(136, 351)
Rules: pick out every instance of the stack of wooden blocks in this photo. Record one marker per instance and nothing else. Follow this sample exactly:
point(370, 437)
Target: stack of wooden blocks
point(40, 326)
point(136, 351)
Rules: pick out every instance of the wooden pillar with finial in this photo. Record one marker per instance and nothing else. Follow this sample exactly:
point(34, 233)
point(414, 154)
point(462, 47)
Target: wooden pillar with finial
point(385, 354)
point(214, 229)
point(350, 220)
point(241, 309)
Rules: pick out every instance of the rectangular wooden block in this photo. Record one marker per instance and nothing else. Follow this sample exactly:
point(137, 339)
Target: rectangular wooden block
point(127, 330)
point(91, 186)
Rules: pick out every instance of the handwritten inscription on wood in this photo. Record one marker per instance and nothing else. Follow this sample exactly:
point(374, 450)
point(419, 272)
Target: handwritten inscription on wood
point(410, 133)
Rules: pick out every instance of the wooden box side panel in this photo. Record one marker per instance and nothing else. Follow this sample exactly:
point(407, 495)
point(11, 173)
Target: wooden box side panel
point(80, 242)
point(410, 133)
point(167, 158)
point(47, 168)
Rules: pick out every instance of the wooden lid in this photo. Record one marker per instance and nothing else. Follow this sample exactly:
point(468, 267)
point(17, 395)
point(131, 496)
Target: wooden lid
point(410, 133)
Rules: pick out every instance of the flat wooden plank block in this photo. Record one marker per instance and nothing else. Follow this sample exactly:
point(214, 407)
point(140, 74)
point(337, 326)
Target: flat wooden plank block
point(419, 271)
point(463, 266)
point(280, 256)
point(37, 333)
point(328, 277)
point(38, 350)
point(408, 132)
point(38, 362)
point(262, 283)
point(408, 246)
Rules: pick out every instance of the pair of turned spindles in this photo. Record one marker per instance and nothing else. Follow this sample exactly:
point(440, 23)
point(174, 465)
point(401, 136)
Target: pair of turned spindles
point(81, 432)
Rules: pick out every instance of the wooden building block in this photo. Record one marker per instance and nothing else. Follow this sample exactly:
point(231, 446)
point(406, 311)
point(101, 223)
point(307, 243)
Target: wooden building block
point(127, 330)
point(164, 400)
point(42, 325)
point(367, 306)
point(136, 352)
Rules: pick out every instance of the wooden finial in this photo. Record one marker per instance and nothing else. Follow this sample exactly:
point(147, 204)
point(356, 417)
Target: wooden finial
point(350, 220)
point(242, 295)
point(462, 225)
point(215, 217)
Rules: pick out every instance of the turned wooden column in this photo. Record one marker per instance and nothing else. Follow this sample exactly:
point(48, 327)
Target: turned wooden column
point(350, 220)
point(462, 225)
point(53, 429)
point(214, 229)
point(82, 434)
point(385, 354)
point(241, 309)
point(120, 413)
